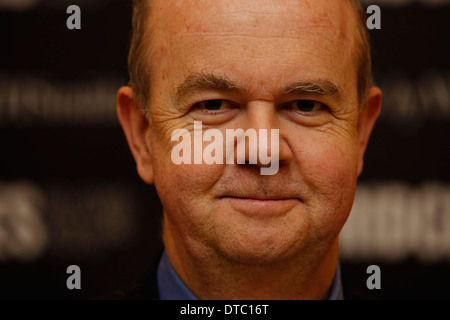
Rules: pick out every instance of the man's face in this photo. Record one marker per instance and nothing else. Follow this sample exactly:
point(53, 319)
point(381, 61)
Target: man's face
point(277, 58)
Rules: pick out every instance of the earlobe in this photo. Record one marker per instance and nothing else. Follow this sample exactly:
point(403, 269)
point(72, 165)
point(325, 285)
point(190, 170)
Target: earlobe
point(137, 132)
point(367, 117)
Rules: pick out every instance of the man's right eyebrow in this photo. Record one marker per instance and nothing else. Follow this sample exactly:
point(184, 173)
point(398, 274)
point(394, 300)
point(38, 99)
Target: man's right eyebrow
point(205, 81)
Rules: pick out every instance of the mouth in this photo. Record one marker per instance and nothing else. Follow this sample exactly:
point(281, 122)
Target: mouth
point(260, 197)
point(261, 205)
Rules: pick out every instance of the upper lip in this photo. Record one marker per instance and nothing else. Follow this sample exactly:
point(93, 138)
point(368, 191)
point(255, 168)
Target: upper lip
point(260, 197)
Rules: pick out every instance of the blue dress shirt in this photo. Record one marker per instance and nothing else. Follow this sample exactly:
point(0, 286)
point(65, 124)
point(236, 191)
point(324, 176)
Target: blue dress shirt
point(171, 287)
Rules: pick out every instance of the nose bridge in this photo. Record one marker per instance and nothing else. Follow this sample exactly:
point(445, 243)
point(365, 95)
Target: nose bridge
point(261, 114)
point(269, 149)
point(261, 117)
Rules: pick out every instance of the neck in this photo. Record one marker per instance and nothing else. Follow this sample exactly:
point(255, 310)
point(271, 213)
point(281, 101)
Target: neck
point(211, 276)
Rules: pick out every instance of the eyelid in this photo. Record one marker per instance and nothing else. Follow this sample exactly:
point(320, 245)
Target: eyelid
point(292, 105)
point(226, 113)
point(317, 117)
point(226, 105)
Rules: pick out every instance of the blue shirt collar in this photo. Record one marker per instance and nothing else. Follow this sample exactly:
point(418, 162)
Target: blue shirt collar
point(171, 287)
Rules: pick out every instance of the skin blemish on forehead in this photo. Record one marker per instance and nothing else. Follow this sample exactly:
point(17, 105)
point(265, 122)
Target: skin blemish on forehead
point(198, 28)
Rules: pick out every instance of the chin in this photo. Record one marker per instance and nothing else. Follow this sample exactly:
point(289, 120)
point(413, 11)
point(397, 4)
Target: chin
point(262, 247)
point(263, 239)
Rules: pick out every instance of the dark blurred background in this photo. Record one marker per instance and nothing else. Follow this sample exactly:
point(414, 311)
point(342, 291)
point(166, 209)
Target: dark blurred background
point(70, 194)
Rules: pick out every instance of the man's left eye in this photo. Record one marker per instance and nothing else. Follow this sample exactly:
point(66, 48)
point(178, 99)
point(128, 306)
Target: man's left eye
point(308, 105)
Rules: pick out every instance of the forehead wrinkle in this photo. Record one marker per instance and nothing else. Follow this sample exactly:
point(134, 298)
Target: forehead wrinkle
point(298, 32)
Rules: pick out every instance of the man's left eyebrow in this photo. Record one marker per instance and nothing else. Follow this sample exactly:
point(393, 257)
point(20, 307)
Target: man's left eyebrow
point(315, 87)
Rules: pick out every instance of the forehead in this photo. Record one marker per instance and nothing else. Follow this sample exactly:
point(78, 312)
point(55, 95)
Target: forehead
point(304, 37)
point(284, 16)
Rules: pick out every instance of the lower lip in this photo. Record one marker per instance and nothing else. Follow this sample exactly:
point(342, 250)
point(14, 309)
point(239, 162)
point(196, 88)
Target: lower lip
point(261, 208)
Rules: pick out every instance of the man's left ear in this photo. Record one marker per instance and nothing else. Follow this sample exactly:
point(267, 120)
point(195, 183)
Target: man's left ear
point(368, 114)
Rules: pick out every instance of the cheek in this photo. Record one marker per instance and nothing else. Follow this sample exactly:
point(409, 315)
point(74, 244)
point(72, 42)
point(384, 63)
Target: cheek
point(333, 165)
point(184, 189)
point(185, 182)
point(329, 169)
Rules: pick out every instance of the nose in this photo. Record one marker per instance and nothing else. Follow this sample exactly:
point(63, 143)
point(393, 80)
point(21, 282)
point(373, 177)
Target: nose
point(269, 149)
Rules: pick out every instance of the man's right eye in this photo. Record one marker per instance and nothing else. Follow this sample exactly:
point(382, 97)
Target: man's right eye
point(211, 105)
point(214, 111)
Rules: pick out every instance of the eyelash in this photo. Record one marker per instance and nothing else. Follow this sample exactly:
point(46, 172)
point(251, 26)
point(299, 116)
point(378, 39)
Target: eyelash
point(221, 108)
point(290, 105)
point(316, 107)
